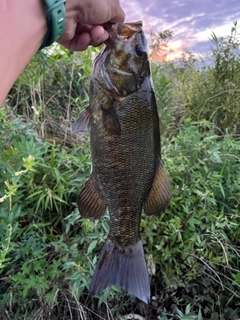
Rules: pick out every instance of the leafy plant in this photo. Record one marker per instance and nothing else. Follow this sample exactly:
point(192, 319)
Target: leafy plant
point(48, 252)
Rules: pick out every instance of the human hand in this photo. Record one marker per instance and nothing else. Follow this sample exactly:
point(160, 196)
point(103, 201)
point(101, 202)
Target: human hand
point(84, 22)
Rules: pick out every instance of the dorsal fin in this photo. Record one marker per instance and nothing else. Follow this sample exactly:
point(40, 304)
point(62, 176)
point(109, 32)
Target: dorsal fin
point(83, 122)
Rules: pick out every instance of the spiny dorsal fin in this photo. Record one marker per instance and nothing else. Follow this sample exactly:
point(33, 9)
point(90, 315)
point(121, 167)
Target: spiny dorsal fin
point(83, 122)
point(90, 202)
point(160, 193)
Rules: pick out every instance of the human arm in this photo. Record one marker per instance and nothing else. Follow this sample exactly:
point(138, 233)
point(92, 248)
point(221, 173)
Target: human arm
point(23, 27)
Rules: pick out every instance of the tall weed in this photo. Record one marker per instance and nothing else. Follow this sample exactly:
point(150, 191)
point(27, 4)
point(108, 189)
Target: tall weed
point(48, 252)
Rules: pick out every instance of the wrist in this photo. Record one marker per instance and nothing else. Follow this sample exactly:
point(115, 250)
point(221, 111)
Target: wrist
point(56, 19)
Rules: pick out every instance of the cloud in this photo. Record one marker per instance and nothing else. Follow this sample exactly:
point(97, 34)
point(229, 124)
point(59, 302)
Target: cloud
point(191, 21)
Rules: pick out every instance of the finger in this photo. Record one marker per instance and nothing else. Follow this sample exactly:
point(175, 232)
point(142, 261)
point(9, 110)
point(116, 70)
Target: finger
point(98, 35)
point(78, 43)
point(81, 28)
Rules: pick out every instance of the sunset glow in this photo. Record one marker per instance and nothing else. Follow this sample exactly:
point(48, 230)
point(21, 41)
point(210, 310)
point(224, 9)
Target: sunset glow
point(174, 51)
point(191, 21)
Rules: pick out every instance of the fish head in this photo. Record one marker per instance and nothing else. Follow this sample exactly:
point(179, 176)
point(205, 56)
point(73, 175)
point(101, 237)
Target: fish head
point(123, 64)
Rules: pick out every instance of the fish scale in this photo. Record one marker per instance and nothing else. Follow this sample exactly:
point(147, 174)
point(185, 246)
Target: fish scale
point(127, 174)
point(121, 159)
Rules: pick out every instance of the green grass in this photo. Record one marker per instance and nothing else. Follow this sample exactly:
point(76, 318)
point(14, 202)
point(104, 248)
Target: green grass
point(48, 252)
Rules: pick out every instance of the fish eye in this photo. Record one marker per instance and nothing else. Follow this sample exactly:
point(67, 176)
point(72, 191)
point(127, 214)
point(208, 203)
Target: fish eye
point(139, 50)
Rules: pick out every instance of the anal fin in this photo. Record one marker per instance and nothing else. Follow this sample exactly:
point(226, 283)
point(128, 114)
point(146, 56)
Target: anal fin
point(160, 194)
point(90, 202)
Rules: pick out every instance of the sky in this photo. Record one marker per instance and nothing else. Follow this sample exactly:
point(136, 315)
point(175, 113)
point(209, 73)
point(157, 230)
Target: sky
point(191, 21)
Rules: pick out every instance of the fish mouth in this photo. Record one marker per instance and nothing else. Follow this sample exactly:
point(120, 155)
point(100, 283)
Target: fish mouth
point(125, 30)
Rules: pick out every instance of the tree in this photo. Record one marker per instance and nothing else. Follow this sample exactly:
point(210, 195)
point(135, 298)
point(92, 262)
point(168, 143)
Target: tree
point(159, 44)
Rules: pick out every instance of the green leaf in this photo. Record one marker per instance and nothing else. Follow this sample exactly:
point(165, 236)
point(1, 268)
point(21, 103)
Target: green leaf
point(92, 246)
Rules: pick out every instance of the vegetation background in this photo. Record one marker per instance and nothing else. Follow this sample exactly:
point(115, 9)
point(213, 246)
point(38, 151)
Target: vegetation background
point(48, 252)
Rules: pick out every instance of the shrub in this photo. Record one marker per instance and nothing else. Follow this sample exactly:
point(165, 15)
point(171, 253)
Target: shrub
point(194, 244)
point(48, 252)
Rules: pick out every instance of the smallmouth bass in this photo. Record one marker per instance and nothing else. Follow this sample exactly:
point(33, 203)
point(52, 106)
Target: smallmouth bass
point(127, 174)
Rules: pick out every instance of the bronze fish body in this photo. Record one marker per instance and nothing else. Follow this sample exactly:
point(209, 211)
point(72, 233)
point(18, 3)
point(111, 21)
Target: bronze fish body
point(127, 173)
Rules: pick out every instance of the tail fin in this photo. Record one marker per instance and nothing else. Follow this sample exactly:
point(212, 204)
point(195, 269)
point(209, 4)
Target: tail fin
point(124, 267)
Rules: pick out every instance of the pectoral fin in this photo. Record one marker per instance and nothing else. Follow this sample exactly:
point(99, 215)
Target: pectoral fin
point(110, 117)
point(90, 202)
point(83, 122)
point(160, 193)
